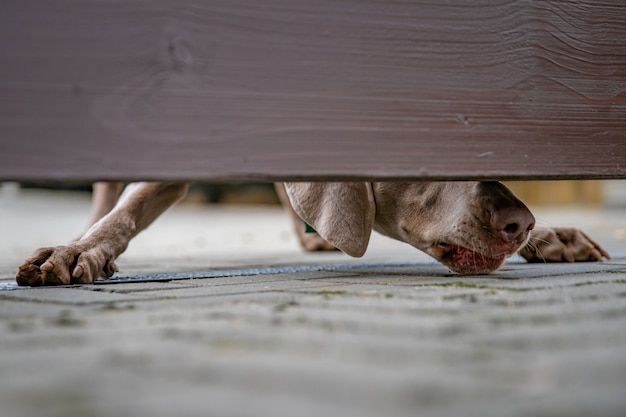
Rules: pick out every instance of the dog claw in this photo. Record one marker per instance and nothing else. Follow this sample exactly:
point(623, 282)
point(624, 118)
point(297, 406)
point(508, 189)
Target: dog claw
point(78, 272)
point(47, 266)
point(110, 268)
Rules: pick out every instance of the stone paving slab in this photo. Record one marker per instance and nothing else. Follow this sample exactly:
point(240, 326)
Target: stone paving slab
point(391, 334)
point(532, 341)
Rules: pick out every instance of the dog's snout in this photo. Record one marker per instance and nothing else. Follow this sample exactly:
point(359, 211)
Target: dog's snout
point(513, 224)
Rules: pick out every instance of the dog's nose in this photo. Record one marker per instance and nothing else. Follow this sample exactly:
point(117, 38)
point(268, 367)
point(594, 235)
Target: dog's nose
point(513, 224)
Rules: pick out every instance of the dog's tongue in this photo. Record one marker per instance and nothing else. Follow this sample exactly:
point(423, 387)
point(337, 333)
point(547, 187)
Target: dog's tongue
point(473, 262)
point(464, 256)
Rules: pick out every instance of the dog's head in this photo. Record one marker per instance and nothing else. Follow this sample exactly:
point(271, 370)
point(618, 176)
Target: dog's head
point(471, 227)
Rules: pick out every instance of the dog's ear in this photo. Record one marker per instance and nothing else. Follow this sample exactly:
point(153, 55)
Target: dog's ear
point(341, 212)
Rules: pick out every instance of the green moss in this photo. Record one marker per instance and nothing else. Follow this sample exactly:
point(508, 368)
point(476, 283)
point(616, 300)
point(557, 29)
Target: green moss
point(536, 320)
point(505, 321)
point(457, 284)
point(471, 285)
point(112, 306)
point(282, 306)
point(582, 284)
point(331, 292)
point(67, 319)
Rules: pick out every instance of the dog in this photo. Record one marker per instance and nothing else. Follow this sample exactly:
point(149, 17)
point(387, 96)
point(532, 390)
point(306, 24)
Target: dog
point(470, 227)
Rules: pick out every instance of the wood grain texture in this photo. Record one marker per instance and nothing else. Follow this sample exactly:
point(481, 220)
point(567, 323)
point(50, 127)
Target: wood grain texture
point(312, 89)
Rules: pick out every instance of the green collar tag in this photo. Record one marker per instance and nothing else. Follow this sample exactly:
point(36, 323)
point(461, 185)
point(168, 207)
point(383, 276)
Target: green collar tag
point(308, 228)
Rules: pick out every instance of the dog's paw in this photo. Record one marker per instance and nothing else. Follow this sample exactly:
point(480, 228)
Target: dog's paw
point(312, 242)
point(562, 244)
point(64, 265)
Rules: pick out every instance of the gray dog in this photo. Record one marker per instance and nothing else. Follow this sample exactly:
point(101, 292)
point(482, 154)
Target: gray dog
point(471, 227)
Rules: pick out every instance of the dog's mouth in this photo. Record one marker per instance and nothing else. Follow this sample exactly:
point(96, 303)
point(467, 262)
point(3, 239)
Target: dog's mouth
point(468, 262)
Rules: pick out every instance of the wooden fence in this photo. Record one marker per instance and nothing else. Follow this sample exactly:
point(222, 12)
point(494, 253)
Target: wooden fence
point(226, 90)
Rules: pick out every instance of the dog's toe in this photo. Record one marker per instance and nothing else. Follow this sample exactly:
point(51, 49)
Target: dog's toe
point(312, 242)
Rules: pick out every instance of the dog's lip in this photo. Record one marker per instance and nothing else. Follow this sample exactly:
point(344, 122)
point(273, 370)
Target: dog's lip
point(467, 261)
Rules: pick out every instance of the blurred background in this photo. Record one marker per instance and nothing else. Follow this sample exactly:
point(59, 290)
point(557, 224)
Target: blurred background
point(599, 194)
point(608, 194)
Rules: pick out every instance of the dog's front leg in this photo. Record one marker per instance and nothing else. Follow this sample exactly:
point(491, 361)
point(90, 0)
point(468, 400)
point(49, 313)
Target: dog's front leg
point(105, 197)
point(310, 241)
point(93, 255)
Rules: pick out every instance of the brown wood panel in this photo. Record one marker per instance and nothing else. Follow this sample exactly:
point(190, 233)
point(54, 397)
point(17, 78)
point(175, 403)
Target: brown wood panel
point(581, 193)
point(312, 89)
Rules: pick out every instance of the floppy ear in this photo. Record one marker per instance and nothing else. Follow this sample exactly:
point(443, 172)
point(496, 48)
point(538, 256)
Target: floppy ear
point(341, 212)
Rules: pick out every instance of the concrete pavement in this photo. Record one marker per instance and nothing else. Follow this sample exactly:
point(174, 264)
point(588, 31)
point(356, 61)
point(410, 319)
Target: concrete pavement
point(308, 335)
